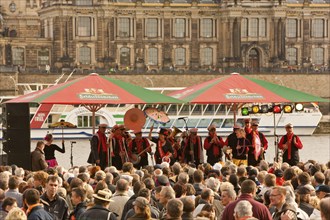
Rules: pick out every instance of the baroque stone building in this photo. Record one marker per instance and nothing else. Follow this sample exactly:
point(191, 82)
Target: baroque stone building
point(256, 35)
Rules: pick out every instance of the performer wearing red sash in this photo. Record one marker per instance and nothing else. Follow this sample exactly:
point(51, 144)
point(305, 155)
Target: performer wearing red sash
point(99, 148)
point(118, 147)
point(164, 150)
point(213, 145)
point(192, 148)
point(290, 144)
point(135, 148)
point(247, 126)
point(259, 145)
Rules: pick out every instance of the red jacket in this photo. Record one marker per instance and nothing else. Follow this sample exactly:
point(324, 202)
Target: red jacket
point(260, 211)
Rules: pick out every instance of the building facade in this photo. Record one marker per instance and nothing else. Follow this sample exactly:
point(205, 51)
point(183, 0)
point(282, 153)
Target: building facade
point(156, 35)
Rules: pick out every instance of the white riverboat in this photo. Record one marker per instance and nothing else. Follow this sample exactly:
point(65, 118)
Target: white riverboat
point(195, 116)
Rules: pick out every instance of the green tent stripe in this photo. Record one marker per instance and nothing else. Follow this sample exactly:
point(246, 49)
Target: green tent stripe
point(287, 93)
point(118, 116)
point(202, 90)
point(49, 94)
point(142, 93)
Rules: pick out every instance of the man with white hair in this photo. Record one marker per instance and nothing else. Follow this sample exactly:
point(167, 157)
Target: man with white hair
point(243, 210)
point(165, 195)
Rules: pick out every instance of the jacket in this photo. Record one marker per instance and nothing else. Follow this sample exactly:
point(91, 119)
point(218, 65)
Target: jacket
point(260, 211)
point(39, 213)
point(78, 210)
point(38, 160)
point(97, 212)
point(58, 207)
point(285, 207)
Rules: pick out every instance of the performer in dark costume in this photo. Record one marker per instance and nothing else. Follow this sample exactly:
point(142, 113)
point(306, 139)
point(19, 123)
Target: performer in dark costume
point(50, 149)
point(99, 148)
point(164, 150)
point(135, 148)
point(241, 149)
point(118, 146)
point(231, 143)
point(193, 148)
point(290, 144)
point(213, 145)
point(259, 145)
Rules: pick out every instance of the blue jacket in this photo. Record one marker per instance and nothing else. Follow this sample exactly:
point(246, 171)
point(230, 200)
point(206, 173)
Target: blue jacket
point(39, 213)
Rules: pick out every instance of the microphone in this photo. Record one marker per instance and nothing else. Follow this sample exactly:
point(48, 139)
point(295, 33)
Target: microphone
point(73, 142)
point(182, 118)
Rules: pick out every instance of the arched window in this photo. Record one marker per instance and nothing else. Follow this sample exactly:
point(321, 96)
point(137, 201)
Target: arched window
point(180, 56)
point(207, 56)
point(153, 56)
point(318, 56)
point(125, 54)
point(291, 56)
point(85, 55)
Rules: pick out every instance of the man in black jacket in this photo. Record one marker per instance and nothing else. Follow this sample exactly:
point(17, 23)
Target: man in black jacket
point(35, 210)
point(78, 196)
point(53, 203)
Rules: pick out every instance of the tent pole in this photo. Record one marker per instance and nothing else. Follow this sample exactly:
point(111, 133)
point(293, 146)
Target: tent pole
point(93, 121)
point(234, 110)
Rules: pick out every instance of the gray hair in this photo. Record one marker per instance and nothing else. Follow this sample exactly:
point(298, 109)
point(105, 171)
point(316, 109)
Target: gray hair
point(19, 172)
point(243, 208)
point(231, 193)
point(168, 192)
point(183, 178)
point(213, 184)
point(232, 168)
point(108, 178)
point(174, 208)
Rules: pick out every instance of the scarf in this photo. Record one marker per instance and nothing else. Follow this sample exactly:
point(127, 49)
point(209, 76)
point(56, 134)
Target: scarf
point(289, 143)
point(215, 147)
point(160, 149)
point(256, 144)
point(102, 141)
point(119, 140)
point(28, 211)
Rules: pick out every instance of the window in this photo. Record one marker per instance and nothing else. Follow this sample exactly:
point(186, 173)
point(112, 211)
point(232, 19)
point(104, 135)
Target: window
point(125, 53)
point(85, 55)
point(43, 57)
point(291, 56)
point(206, 27)
point(318, 56)
point(244, 27)
point(179, 27)
point(84, 26)
point(207, 56)
point(318, 28)
point(124, 27)
point(84, 2)
point(18, 56)
point(253, 27)
point(151, 27)
point(262, 27)
point(180, 56)
point(153, 56)
point(291, 27)
point(86, 121)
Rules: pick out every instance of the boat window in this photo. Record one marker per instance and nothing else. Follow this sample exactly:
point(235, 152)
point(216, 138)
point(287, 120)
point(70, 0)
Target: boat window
point(173, 109)
point(210, 109)
point(204, 123)
point(179, 124)
point(192, 123)
point(217, 122)
point(185, 109)
point(169, 124)
point(86, 121)
point(228, 123)
point(197, 110)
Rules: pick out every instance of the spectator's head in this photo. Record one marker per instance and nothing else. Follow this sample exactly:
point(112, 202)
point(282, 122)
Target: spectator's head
point(78, 195)
point(304, 178)
point(249, 187)
point(150, 183)
point(207, 195)
point(122, 185)
point(99, 175)
point(241, 171)
point(16, 213)
point(176, 168)
point(13, 182)
point(138, 186)
point(270, 180)
point(141, 206)
point(227, 196)
point(31, 197)
point(198, 176)
point(322, 191)
point(188, 204)
point(19, 172)
point(166, 194)
point(318, 178)
point(8, 204)
point(40, 145)
point(213, 184)
point(304, 194)
point(128, 167)
point(289, 173)
point(183, 178)
point(103, 197)
point(174, 208)
point(277, 196)
point(325, 208)
point(180, 190)
point(52, 186)
point(40, 179)
point(243, 209)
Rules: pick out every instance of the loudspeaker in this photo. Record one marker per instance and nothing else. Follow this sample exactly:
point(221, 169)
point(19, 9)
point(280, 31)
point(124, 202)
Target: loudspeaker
point(16, 134)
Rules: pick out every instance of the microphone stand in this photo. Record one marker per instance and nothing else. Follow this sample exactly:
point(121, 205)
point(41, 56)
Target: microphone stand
point(71, 155)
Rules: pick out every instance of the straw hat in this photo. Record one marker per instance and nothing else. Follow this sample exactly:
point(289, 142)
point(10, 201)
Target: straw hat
point(104, 195)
